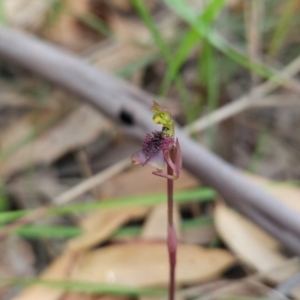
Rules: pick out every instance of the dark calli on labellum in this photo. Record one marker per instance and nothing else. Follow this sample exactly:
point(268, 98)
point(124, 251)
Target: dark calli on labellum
point(152, 152)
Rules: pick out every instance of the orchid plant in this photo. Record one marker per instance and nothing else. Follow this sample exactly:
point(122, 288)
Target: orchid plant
point(161, 150)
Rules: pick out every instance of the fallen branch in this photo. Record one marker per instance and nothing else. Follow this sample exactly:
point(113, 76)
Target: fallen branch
point(122, 102)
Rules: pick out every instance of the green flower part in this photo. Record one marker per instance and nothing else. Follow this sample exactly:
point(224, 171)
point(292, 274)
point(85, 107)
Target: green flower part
point(164, 118)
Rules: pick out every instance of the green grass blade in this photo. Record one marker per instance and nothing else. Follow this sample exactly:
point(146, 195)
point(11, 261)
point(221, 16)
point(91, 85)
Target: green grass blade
point(149, 22)
point(57, 8)
point(203, 194)
point(148, 200)
point(190, 40)
point(130, 69)
point(87, 287)
point(66, 232)
point(261, 144)
point(208, 76)
point(188, 43)
point(164, 50)
point(97, 24)
point(9, 216)
point(4, 201)
point(183, 10)
point(49, 232)
point(3, 19)
point(128, 231)
point(280, 33)
point(197, 222)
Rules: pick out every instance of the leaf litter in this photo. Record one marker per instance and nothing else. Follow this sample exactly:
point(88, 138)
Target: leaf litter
point(95, 256)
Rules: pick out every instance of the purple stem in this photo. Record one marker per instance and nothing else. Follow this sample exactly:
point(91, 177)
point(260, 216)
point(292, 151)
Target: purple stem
point(172, 240)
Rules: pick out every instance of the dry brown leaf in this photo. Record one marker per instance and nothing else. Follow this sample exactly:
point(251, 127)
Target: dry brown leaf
point(157, 223)
point(25, 126)
point(252, 245)
point(118, 55)
point(73, 296)
point(146, 264)
point(77, 129)
point(66, 31)
point(26, 14)
point(126, 5)
point(12, 99)
point(17, 258)
point(58, 270)
point(130, 29)
point(100, 225)
point(201, 235)
point(236, 6)
point(76, 296)
point(285, 193)
point(41, 187)
point(131, 47)
point(138, 181)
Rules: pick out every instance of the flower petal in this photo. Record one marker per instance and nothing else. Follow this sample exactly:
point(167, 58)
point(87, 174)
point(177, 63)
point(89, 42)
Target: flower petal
point(138, 158)
point(157, 161)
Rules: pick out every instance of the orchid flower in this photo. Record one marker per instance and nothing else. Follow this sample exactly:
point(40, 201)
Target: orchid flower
point(160, 148)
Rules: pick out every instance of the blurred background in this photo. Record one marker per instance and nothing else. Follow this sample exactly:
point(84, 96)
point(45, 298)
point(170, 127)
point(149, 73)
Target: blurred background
point(195, 58)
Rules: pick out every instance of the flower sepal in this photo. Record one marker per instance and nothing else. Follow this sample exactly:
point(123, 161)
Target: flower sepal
point(175, 166)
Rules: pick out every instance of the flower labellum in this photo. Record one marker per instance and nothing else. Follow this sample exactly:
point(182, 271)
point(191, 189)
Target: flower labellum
point(153, 149)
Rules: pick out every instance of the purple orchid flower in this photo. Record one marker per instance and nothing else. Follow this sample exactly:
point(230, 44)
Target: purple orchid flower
point(161, 149)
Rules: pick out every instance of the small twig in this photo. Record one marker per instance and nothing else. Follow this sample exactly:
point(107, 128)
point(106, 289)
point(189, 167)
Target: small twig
point(91, 182)
point(86, 169)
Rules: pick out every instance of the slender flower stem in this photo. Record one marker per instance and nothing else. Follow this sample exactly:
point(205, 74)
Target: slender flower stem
point(170, 184)
point(172, 240)
point(159, 149)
